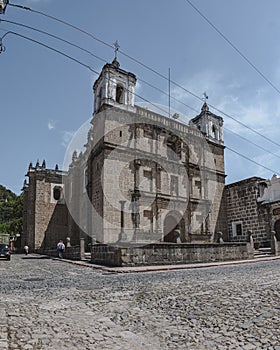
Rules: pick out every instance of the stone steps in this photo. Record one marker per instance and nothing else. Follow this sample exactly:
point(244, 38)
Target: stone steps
point(262, 252)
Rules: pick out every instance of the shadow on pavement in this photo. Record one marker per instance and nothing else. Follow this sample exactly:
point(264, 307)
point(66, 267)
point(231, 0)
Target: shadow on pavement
point(36, 257)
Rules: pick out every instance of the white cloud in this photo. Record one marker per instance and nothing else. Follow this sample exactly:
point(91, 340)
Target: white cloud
point(254, 106)
point(51, 124)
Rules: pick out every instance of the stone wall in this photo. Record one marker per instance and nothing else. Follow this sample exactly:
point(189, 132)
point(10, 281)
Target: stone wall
point(45, 218)
point(71, 253)
point(245, 213)
point(165, 254)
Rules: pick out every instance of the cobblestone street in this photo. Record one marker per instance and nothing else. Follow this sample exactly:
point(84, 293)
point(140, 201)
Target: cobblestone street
point(49, 304)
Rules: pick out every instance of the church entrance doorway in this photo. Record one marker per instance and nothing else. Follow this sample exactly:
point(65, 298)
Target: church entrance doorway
point(173, 228)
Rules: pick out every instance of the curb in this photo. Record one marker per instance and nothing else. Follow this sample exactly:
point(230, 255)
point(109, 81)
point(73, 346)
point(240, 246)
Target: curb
point(158, 268)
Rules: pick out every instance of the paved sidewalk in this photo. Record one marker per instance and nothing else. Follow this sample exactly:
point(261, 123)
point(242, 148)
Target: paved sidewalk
point(154, 268)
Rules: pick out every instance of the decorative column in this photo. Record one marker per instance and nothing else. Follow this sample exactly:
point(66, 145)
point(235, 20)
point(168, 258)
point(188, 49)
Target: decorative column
point(137, 175)
point(122, 235)
point(135, 195)
point(82, 248)
point(158, 170)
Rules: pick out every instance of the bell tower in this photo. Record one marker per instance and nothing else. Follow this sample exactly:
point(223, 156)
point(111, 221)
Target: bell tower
point(211, 125)
point(114, 87)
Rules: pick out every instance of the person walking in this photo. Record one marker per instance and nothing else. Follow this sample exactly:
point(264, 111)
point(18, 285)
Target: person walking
point(26, 248)
point(60, 248)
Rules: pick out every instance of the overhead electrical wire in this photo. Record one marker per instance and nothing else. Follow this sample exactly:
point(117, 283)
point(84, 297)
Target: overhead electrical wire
point(156, 106)
point(234, 47)
point(90, 53)
point(77, 61)
point(63, 22)
point(151, 85)
point(251, 160)
point(53, 36)
point(151, 69)
point(145, 82)
point(94, 71)
point(251, 142)
point(104, 61)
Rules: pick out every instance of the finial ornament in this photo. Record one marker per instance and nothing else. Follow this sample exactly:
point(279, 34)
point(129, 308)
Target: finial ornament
point(116, 46)
point(205, 96)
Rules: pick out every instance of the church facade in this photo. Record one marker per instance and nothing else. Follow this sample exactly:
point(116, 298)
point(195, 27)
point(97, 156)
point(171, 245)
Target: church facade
point(141, 178)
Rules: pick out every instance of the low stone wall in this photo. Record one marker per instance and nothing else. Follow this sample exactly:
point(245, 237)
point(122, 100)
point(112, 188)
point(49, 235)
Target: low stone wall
point(168, 253)
point(72, 253)
point(275, 248)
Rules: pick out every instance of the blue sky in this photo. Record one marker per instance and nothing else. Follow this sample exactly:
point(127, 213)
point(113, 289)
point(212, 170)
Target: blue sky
point(46, 97)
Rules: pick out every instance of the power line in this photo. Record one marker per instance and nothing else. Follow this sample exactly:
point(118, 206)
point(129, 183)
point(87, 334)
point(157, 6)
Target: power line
point(234, 47)
point(151, 69)
point(145, 82)
point(103, 60)
point(53, 36)
point(251, 142)
point(94, 71)
point(77, 61)
point(63, 22)
point(50, 48)
point(90, 53)
point(252, 161)
point(245, 126)
point(88, 67)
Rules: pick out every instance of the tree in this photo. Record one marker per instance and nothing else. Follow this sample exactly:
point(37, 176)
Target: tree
point(11, 212)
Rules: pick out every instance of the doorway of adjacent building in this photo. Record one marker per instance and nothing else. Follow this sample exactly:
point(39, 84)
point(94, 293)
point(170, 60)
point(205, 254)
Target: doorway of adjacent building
point(277, 229)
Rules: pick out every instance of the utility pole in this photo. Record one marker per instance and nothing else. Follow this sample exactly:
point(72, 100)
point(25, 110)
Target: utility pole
point(3, 5)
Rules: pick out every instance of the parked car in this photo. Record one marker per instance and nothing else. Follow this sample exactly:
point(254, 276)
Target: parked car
point(5, 251)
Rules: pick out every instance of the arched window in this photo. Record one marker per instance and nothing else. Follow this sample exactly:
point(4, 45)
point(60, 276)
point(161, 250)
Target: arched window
point(57, 192)
point(214, 132)
point(120, 94)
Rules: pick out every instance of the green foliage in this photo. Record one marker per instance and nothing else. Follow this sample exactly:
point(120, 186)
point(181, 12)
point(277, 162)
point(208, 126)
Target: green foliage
point(11, 211)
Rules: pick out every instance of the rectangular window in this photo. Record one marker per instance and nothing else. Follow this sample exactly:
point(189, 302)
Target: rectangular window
point(148, 174)
point(237, 229)
point(174, 185)
point(197, 188)
point(148, 214)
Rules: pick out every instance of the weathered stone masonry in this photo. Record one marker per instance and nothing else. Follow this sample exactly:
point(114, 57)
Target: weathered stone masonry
point(245, 213)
